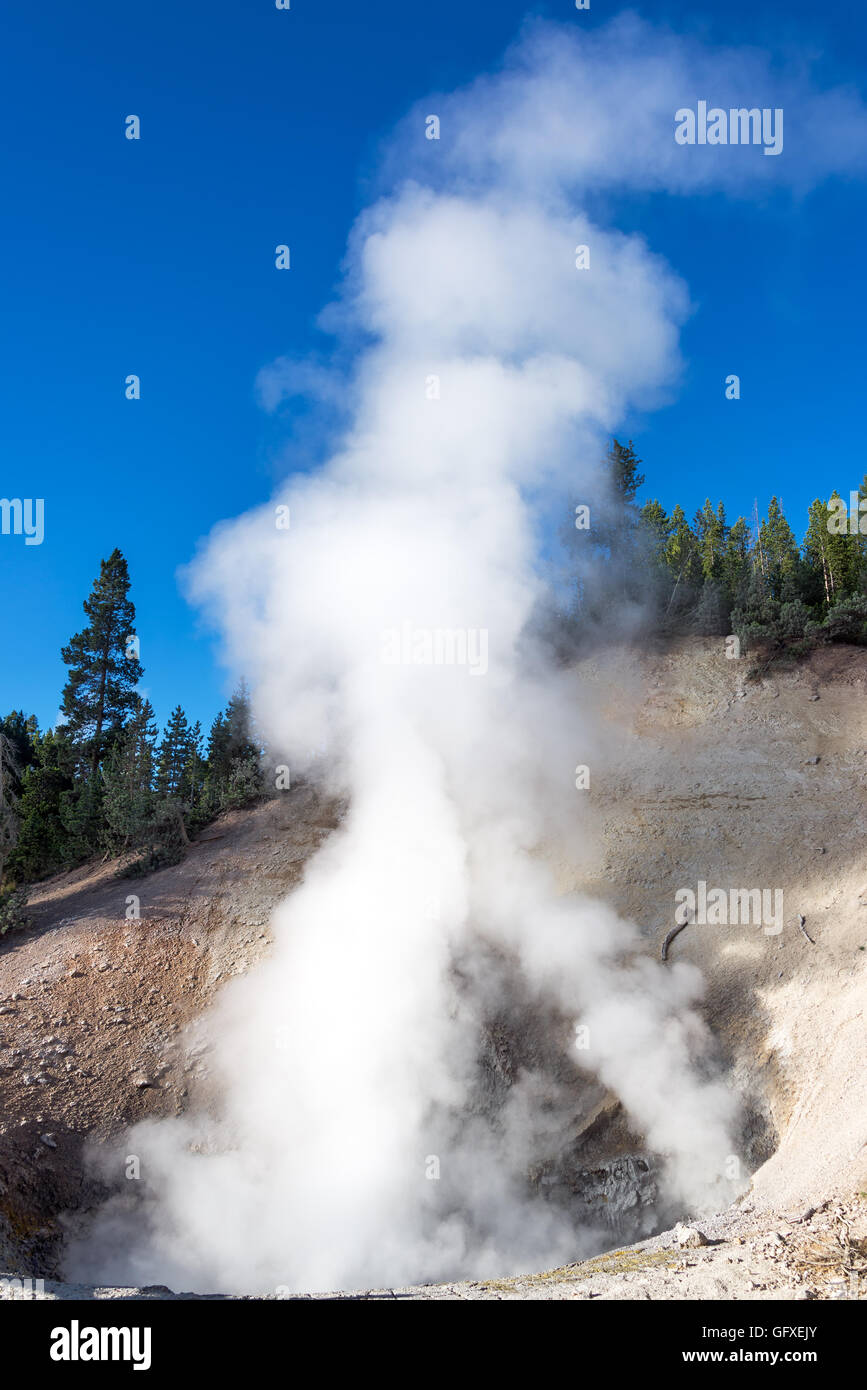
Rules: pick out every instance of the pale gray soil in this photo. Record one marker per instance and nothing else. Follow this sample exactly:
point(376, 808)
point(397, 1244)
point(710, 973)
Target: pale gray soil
point(799, 1255)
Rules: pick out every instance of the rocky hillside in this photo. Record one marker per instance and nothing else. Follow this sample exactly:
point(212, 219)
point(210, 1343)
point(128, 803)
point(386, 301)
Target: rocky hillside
point(98, 1009)
point(701, 773)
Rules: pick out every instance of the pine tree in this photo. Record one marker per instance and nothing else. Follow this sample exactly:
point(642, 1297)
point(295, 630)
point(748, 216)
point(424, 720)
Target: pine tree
point(245, 782)
point(181, 777)
point(234, 775)
point(844, 550)
point(82, 815)
point(683, 561)
point(736, 563)
point(711, 533)
point(624, 464)
point(681, 552)
point(216, 767)
point(621, 532)
point(43, 840)
point(193, 780)
point(755, 617)
point(128, 799)
point(711, 613)
point(608, 553)
point(10, 772)
point(99, 695)
point(17, 753)
point(819, 578)
point(173, 755)
point(22, 730)
point(656, 527)
point(780, 552)
point(860, 539)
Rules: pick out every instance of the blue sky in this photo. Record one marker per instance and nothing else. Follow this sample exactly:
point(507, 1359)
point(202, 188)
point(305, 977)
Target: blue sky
point(258, 127)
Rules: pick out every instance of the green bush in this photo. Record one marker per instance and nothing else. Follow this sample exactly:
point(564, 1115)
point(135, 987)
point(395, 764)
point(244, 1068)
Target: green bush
point(13, 914)
point(846, 621)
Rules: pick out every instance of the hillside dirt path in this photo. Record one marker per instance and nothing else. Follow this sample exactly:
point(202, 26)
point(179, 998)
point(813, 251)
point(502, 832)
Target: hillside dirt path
point(98, 1012)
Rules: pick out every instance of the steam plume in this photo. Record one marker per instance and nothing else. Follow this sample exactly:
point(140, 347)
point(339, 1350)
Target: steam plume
point(350, 1060)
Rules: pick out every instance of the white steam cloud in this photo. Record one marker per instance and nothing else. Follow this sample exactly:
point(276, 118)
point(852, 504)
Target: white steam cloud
point(350, 1059)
